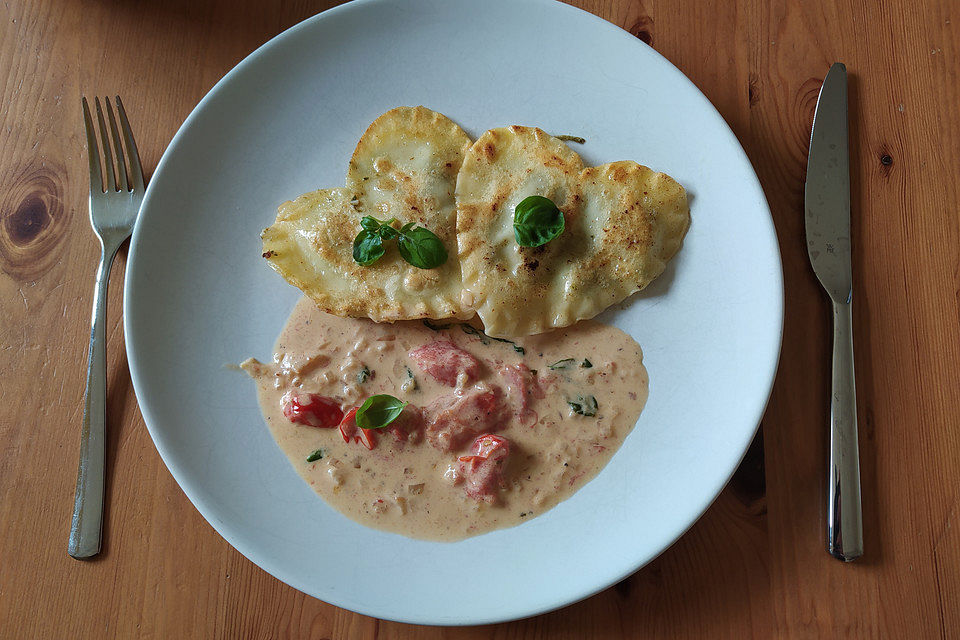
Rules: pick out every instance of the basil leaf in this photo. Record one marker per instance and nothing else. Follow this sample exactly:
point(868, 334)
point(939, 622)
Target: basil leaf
point(387, 232)
point(407, 227)
point(584, 406)
point(560, 364)
point(369, 224)
point(421, 248)
point(537, 221)
point(379, 411)
point(367, 248)
point(316, 455)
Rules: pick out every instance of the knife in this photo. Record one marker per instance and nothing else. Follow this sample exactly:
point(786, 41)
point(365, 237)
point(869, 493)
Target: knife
point(827, 204)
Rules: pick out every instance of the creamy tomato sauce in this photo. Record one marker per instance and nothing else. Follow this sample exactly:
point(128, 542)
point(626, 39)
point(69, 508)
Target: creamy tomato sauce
point(496, 432)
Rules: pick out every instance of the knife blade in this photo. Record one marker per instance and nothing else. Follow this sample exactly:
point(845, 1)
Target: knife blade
point(827, 213)
point(827, 191)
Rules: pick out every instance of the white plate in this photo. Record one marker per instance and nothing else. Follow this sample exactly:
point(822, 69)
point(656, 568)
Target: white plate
point(283, 122)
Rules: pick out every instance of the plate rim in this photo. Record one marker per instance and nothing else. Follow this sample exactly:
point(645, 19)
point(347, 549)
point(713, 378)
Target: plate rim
point(601, 582)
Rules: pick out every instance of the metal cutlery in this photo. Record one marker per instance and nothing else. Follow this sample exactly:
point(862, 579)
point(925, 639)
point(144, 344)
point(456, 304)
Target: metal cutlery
point(116, 192)
point(827, 204)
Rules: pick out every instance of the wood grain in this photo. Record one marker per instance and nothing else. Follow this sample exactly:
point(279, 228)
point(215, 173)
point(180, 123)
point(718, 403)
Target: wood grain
point(753, 566)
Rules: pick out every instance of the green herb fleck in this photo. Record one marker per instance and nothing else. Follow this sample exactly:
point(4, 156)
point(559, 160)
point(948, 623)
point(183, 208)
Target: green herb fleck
point(363, 375)
point(435, 327)
point(316, 455)
point(533, 372)
point(561, 364)
point(412, 379)
point(584, 406)
point(485, 339)
point(473, 331)
point(569, 138)
point(586, 364)
point(536, 221)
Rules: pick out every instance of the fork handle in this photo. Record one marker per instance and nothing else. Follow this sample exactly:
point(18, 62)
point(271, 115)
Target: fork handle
point(844, 520)
point(85, 528)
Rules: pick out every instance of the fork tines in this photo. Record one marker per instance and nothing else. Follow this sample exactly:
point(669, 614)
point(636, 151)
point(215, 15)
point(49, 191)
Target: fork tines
point(124, 175)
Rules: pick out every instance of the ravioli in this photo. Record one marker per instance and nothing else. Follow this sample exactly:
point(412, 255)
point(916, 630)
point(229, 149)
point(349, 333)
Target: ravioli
point(623, 223)
point(405, 167)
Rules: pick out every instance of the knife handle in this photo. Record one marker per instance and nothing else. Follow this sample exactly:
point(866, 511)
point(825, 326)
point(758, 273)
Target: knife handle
point(844, 519)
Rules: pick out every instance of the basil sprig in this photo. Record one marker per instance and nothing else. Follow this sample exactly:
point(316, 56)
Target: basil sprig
point(536, 221)
point(378, 411)
point(418, 245)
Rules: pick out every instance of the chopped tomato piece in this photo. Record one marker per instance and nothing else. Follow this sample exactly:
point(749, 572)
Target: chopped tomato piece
point(311, 409)
point(482, 471)
point(351, 432)
point(350, 417)
point(408, 426)
point(453, 420)
point(487, 446)
point(444, 362)
point(523, 388)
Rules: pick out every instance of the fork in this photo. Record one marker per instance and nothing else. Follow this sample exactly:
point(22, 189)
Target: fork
point(114, 205)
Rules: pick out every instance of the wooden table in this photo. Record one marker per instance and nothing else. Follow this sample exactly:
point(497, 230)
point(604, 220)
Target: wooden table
point(754, 565)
